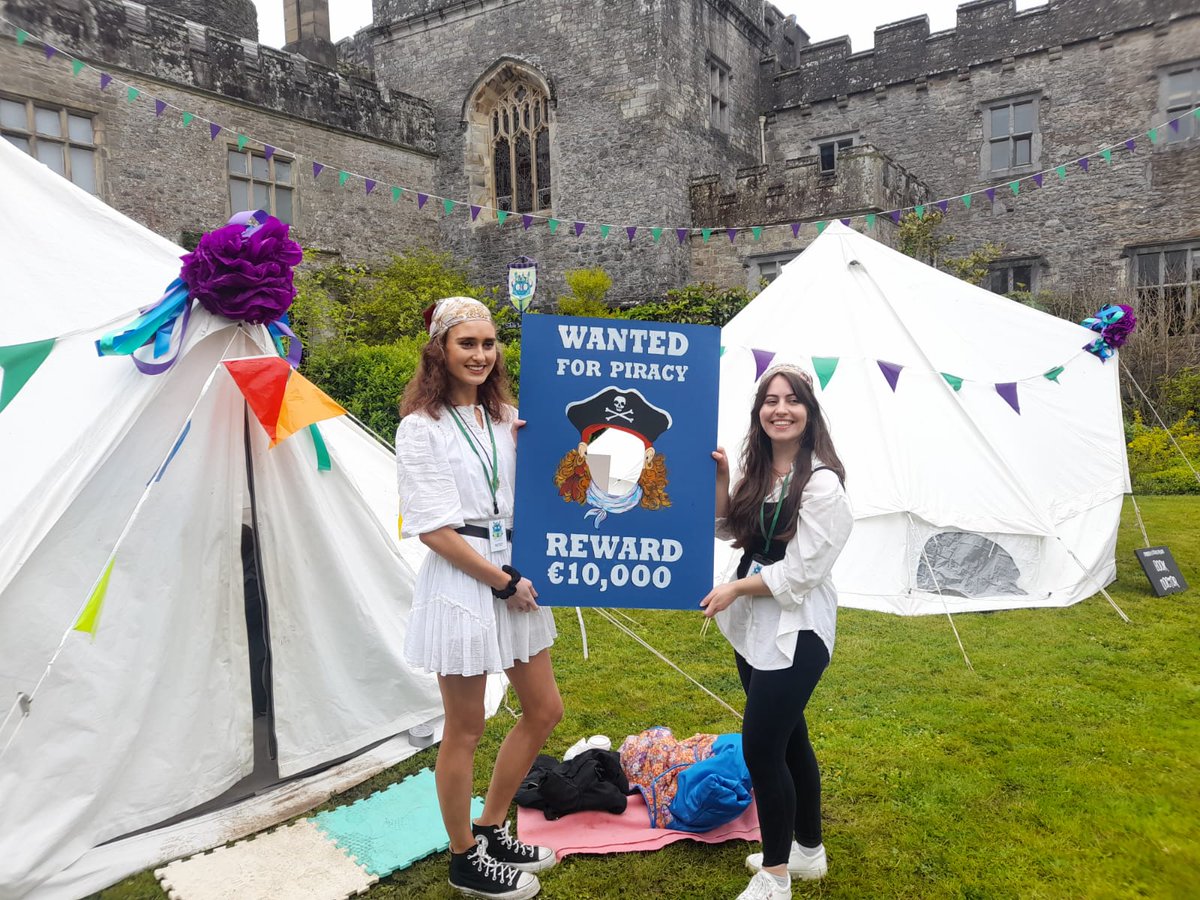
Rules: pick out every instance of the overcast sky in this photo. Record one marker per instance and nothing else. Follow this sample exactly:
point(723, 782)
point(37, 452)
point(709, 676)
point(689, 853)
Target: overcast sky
point(820, 18)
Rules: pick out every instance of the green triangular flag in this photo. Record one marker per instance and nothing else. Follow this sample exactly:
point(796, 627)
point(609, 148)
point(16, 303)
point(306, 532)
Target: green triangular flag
point(656, 233)
point(1153, 135)
point(132, 94)
point(966, 199)
point(187, 119)
point(242, 141)
point(501, 215)
point(722, 353)
point(18, 362)
point(705, 233)
point(397, 191)
point(22, 36)
point(756, 231)
point(870, 221)
point(920, 212)
point(553, 225)
point(76, 66)
point(821, 227)
point(1107, 154)
point(604, 231)
point(825, 366)
point(1016, 187)
point(1062, 172)
point(448, 206)
point(90, 616)
point(1053, 374)
point(323, 462)
point(953, 380)
point(343, 177)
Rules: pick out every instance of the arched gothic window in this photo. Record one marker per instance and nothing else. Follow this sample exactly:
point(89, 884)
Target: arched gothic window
point(508, 119)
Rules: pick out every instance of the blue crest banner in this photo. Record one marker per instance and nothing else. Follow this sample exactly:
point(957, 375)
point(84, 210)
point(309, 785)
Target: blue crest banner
point(615, 476)
point(522, 282)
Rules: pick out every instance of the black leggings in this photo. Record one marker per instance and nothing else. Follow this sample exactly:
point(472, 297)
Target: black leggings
point(783, 767)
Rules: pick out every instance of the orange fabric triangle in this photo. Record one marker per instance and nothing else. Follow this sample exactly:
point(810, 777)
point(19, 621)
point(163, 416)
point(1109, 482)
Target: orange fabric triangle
point(303, 404)
point(263, 383)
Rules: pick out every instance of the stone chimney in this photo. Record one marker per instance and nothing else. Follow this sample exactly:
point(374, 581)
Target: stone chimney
point(306, 29)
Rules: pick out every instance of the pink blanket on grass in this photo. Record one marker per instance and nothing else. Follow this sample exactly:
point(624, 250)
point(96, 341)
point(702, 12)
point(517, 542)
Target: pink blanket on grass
point(602, 832)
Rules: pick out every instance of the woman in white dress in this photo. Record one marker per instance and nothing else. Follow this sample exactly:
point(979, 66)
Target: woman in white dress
point(790, 517)
point(473, 614)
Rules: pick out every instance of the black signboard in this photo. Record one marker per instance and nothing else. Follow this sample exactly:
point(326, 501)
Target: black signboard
point(1162, 570)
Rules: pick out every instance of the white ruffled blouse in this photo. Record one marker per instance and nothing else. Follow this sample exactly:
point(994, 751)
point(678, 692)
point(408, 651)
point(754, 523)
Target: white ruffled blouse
point(763, 629)
point(457, 627)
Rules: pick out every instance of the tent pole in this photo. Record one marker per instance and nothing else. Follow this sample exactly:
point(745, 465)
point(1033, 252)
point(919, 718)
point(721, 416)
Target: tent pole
point(1129, 375)
point(936, 584)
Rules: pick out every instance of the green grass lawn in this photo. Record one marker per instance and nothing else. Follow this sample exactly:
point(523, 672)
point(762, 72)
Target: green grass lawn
point(1066, 765)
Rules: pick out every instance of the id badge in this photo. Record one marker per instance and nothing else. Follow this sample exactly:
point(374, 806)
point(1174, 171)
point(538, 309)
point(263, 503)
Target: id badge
point(757, 564)
point(497, 539)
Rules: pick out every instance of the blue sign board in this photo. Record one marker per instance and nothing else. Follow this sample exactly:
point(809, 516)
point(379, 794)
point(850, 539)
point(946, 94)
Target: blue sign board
point(615, 476)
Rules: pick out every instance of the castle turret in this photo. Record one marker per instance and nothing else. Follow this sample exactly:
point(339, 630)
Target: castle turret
point(306, 29)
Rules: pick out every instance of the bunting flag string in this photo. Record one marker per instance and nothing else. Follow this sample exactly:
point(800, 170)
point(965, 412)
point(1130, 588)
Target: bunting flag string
point(1129, 145)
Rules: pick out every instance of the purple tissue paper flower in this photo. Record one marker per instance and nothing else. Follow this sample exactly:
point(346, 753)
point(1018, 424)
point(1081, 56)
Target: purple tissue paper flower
point(1118, 332)
point(247, 278)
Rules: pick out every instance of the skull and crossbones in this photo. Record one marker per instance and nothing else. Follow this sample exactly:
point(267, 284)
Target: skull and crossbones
point(618, 411)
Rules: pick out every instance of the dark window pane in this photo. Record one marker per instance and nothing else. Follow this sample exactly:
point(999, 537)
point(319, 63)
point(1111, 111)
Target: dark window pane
point(1000, 121)
point(543, 169)
point(1176, 267)
point(1000, 153)
point(504, 120)
point(524, 170)
point(1022, 278)
point(1175, 309)
point(845, 144)
point(495, 123)
point(502, 170)
point(1023, 150)
point(1023, 118)
point(828, 156)
point(997, 281)
point(1195, 265)
point(1147, 269)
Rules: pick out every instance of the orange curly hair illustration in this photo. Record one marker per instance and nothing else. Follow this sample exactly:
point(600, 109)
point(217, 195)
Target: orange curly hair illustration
point(573, 478)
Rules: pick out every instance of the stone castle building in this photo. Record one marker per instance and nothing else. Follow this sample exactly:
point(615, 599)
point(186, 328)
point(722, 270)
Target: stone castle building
point(702, 115)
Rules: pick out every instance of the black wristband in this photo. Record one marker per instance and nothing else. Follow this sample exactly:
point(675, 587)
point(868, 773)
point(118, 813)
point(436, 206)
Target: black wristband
point(514, 578)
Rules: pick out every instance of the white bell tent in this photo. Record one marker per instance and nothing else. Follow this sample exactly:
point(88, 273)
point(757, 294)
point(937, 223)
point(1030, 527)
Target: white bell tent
point(150, 716)
point(961, 502)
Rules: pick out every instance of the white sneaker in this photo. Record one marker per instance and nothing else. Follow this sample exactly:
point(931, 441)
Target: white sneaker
point(595, 742)
point(806, 866)
point(763, 886)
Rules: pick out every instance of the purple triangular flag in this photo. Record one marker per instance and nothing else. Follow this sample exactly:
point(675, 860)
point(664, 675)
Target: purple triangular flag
point(526, 221)
point(1131, 145)
point(943, 205)
point(1008, 390)
point(1039, 178)
point(475, 211)
point(369, 183)
point(682, 234)
point(1174, 123)
point(1083, 164)
point(213, 129)
point(50, 51)
point(105, 80)
point(846, 222)
point(732, 232)
point(762, 359)
point(631, 231)
point(991, 194)
point(268, 151)
point(579, 228)
point(890, 371)
point(422, 199)
point(795, 229)
point(317, 168)
point(895, 214)
point(160, 106)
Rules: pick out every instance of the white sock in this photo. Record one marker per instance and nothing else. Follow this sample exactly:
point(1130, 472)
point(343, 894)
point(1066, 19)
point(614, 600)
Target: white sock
point(810, 852)
point(783, 880)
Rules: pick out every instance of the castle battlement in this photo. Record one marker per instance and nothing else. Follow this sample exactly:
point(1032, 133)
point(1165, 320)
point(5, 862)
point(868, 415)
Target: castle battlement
point(865, 180)
point(987, 31)
point(150, 41)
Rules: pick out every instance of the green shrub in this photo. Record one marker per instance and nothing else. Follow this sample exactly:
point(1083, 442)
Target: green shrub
point(589, 287)
point(1155, 463)
point(695, 304)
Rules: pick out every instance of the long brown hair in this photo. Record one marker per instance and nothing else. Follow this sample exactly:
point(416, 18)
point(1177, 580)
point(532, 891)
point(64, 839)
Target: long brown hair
point(758, 474)
point(429, 389)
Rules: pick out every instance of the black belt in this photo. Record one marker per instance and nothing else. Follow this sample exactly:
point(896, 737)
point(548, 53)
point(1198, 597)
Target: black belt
point(480, 532)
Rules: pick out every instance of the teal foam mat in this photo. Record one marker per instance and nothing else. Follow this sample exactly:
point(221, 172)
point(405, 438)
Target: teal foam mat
point(392, 828)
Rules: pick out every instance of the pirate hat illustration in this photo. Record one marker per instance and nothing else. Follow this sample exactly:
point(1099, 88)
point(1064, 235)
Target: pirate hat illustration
point(625, 410)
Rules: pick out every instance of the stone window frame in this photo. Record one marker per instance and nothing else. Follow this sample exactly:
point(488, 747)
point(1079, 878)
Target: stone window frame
point(757, 265)
point(720, 79)
point(1172, 285)
point(482, 99)
point(38, 138)
point(269, 179)
point(986, 171)
point(1008, 268)
point(1180, 103)
point(835, 144)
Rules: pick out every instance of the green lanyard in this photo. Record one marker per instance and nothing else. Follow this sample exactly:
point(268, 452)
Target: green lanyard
point(493, 477)
point(762, 522)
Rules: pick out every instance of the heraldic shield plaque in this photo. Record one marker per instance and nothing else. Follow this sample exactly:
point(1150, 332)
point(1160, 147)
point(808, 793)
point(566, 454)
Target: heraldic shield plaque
point(615, 476)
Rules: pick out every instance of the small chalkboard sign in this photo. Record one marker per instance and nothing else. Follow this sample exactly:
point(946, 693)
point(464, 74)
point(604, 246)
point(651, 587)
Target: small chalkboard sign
point(1162, 570)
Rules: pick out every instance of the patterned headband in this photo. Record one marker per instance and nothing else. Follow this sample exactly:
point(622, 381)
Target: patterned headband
point(786, 367)
point(451, 311)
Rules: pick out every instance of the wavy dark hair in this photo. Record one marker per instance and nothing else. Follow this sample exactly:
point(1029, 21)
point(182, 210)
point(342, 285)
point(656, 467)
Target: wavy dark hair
point(758, 474)
point(429, 389)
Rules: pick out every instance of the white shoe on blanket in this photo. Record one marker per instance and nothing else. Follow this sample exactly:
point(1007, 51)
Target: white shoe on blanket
point(595, 742)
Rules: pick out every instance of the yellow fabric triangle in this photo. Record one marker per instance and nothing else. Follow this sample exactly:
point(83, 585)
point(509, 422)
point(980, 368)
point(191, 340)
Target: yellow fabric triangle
point(303, 404)
point(90, 616)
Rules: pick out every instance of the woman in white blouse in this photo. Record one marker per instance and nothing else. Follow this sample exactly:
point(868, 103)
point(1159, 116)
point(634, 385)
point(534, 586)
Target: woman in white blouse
point(473, 613)
point(790, 517)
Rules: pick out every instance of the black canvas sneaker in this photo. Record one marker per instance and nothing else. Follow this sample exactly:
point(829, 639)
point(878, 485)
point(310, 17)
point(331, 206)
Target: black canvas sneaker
point(503, 847)
point(476, 874)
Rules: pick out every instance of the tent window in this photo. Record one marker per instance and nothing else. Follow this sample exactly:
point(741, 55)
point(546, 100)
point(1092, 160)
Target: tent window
point(1180, 92)
point(256, 182)
point(963, 564)
point(1167, 282)
point(63, 139)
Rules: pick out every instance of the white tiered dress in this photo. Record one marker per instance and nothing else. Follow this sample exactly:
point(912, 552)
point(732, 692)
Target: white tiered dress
point(457, 627)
